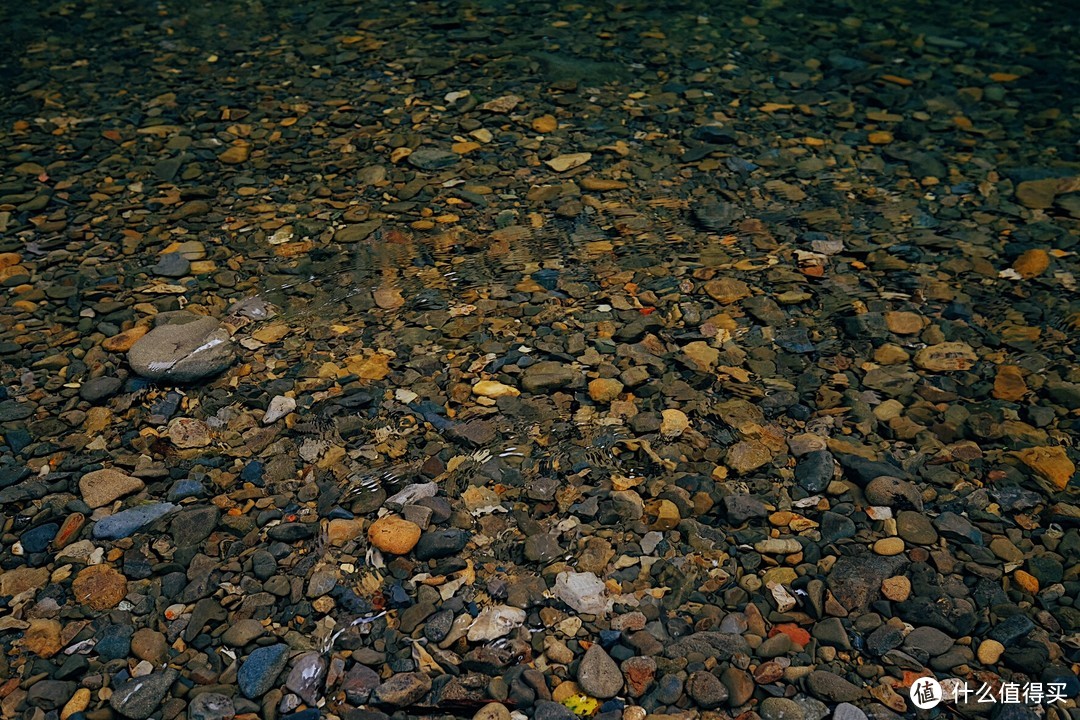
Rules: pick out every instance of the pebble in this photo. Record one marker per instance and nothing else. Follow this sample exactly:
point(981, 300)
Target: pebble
point(598, 675)
point(990, 651)
point(402, 689)
point(139, 698)
point(101, 487)
point(390, 386)
point(259, 672)
point(127, 522)
point(779, 708)
point(394, 535)
point(185, 349)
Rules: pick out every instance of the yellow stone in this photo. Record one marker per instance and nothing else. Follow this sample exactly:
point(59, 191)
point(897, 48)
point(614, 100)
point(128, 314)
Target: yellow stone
point(43, 637)
point(666, 512)
point(673, 422)
point(341, 530)
point(493, 389)
point(990, 651)
point(545, 124)
point(1050, 463)
point(394, 535)
point(946, 357)
point(604, 390)
point(889, 546)
point(99, 587)
point(388, 297)
point(1032, 263)
point(1028, 582)
point(1009, 383)
point(374, 367)
point(563, 163)
point(464, 148)
point(77, 704)
point(890, 354)
point(122, 342)
point(880, 137)
point(897, 588)
point(904, 323)
point(271, 333)
point(565, 690)
point(235, 154)
point(595, 184)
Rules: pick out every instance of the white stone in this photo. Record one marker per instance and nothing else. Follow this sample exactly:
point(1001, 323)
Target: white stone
point(279, 407)
point(584, 592)
point(495, 621)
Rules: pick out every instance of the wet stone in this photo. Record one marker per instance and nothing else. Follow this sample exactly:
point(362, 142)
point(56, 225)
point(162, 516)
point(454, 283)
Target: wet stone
point(259, 672)
point(138, 698)
point(598, 675)
point(706, 690)
point(127, 522)
point(185, 350)
point(402, 689)
point(211, 706)
point(832, 688)
point(814, 471)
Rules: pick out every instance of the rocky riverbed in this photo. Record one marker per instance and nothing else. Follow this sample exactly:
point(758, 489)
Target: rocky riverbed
point(538, 360)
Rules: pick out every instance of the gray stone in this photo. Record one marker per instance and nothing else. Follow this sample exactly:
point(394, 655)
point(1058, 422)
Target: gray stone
point(183, 350)
point(173, 265)
point(307, 676)
point(720, 646)
point(832, 688)
point(432, 159)
point(856, 580)
point(706, 690)
point(100, 388)
point(211, 706)
point(127, 522)
point(598, 675)
point(139, 697)
point(893, 492)
point(402, 689)
point(930, 640)
point(915, 528)
point(831, 631)
point(956, 527)
point(547, 375)
point(259, 672)
point(356, 233)
point(241, 632)
point(847, 711)
point(780, 708)
point(814, 471)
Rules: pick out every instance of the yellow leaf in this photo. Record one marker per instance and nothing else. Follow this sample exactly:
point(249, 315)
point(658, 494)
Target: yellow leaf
point(581, 704)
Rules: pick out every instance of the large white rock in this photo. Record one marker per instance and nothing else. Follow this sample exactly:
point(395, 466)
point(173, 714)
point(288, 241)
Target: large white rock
point(584, 592)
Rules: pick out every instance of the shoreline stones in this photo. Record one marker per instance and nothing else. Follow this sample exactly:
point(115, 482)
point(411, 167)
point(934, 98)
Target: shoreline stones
point(617, 363)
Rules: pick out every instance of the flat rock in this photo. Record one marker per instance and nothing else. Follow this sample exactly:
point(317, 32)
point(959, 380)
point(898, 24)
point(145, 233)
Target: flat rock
point(184, 350)
point(832, 688)
point(101, 487)
point(547, 375)
point(139, 697)
point(127, 522)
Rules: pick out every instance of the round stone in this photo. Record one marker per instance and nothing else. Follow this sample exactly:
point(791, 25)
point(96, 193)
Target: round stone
point(605, 390)
point(889, 546)
point(394, 535)
point(990, 651)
